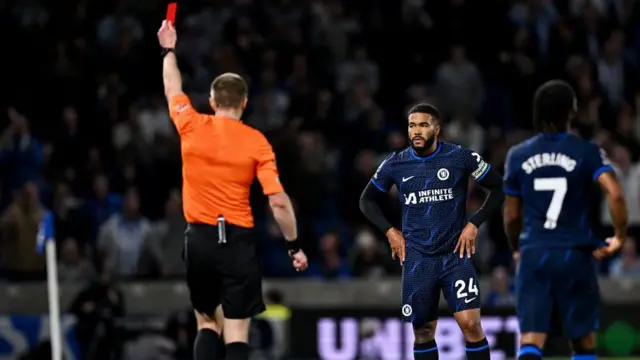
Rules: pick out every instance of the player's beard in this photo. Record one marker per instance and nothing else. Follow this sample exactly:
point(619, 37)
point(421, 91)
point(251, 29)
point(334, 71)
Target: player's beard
point(428, 142)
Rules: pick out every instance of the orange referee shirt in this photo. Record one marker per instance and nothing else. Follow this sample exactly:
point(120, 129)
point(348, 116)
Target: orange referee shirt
point(221, 157)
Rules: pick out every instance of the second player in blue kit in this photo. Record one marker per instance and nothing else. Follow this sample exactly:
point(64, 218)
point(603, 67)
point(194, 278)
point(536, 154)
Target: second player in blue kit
point(548, 182)
point(437, 239)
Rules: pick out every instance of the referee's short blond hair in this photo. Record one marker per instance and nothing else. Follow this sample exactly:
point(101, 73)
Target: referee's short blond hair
point(229, 91)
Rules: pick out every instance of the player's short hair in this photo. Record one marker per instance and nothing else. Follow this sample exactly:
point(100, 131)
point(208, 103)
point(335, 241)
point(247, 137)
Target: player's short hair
point(229, 90)
point(553, 103)
point(426, 108)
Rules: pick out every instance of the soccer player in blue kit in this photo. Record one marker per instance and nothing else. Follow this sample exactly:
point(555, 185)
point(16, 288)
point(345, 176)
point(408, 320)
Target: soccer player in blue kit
point(432, 181)
point(549, 186)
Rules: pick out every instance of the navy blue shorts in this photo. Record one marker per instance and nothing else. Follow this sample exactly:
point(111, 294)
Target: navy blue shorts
point(424, 277)
point(557, 287)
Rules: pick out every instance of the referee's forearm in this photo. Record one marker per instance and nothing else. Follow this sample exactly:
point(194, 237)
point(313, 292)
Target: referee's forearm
point(284, 215)
point(171, 75)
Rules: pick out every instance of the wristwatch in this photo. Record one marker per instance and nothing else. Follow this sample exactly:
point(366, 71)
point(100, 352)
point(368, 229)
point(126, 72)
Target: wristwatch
point(165, 51)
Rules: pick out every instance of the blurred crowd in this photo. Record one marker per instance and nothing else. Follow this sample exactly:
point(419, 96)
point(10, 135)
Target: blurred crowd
point(86, 132)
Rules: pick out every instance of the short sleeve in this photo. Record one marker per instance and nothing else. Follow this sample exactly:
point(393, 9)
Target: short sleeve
point(383, 178)
point(597, 162)
point(266, 169)
point(510, 183)
point(182, 112)
point(475, 165)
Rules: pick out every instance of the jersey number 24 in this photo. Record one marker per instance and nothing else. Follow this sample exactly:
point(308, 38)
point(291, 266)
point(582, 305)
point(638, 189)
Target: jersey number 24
point(559, 187)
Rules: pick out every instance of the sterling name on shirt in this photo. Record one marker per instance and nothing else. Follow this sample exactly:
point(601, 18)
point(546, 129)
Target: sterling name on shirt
point(428, 196)
point(549, 159)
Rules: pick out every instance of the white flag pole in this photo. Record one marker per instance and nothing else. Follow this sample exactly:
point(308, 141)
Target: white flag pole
point(54, 300)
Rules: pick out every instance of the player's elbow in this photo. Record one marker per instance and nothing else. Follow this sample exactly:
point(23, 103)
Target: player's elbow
point(512, 212)
point(615, 195)
point(365, 202)
point(279, 201)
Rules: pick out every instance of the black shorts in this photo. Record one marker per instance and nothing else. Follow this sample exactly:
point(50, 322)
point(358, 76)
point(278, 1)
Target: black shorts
point(229, 273)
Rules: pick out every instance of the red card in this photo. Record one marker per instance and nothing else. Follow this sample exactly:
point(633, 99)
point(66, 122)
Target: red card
point(171, 12)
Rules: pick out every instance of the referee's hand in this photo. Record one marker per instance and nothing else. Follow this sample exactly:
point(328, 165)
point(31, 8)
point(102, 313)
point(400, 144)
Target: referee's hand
point(167, 36)
point(300, 262)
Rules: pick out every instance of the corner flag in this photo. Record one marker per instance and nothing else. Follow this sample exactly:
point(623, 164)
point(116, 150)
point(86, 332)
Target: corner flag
point(45, 244)
point(45, 232)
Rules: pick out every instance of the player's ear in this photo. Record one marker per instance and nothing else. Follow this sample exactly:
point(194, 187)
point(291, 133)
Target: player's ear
point(437, 130)
point(212, 102)
point(244, 103)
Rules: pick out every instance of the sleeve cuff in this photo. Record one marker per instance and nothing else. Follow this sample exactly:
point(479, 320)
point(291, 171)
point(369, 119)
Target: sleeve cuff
point(378, 186)
point(602, 170)
point(511, 192)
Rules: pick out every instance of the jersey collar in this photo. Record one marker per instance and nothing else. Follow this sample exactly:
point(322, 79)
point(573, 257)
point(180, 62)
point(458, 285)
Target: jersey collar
point(556, 136)
point(423, 158)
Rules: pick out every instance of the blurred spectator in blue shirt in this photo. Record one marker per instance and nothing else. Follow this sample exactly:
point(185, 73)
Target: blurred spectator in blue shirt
point(501, 294)
point(102, 204)
point(20, 152)
point(330, 264)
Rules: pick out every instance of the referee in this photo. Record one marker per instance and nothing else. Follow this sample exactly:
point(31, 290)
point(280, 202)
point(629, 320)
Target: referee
point(221, 157)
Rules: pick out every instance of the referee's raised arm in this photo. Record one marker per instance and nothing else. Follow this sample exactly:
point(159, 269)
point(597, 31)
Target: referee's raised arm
point(221, 157)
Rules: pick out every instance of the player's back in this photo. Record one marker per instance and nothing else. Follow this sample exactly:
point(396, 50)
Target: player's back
point(221, 157)
point(219, 168)
point(553, 174)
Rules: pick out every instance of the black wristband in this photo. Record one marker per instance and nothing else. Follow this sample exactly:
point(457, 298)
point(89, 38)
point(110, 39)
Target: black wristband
point(165, 51)
point(293, 246)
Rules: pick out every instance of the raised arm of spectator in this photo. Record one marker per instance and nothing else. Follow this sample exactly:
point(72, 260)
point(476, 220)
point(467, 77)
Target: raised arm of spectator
point(171, 77)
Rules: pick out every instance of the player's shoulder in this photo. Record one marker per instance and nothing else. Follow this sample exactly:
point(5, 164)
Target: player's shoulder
point(524, 147)
point(447, 148)
point(457, 153)
point(242, 129)
point(583, 145)
point(390, 160)
point(400, 155)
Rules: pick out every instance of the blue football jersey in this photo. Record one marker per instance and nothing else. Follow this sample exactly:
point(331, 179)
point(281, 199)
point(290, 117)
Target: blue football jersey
point(554, 175)
point(433, 190)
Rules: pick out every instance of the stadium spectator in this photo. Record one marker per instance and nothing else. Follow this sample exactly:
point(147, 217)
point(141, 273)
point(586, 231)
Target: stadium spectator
point(501, 294)
point(101, 204)
point(97, 308)
point(121, 238)
point(162, 248)
point(19, 228)
point(459, 84)
point(20, 152)
point(629, 175)
point(370, 260)
point(331, 263)
point(322, 82)
point(73, 268)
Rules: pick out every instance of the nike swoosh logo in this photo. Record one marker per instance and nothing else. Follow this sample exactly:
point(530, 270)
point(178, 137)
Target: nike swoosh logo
point(466, 301)
point(404, 179)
